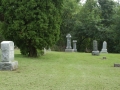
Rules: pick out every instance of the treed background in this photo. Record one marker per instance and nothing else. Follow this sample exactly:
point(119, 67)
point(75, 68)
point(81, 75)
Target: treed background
point(37, 24)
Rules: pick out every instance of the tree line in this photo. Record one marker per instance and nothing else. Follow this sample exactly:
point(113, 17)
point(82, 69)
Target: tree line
point(37, 24)
point(94, 20)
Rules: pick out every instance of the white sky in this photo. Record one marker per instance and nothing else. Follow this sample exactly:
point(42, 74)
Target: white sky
point(83, 1)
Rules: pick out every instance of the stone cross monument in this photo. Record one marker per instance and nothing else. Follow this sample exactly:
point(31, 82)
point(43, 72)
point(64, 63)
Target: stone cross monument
point(68, 47)
point(104, 48)
point(95, 48)
point(7, 56)
point(74, 45)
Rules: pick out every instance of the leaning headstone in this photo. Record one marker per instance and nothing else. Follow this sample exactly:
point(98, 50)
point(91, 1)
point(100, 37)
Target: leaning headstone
point(7, 56)
point(74, 45)
point(95, 48)
point(69, 48)
point(104, 48)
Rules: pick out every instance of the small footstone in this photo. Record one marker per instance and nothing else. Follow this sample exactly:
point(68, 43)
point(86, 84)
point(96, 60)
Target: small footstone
point(104, 58)
point(116, 65)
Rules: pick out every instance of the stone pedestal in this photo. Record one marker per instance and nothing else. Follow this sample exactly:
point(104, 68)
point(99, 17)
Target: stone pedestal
point(95, 53)
point(104, 51)
point(7, 56)
point(69, 50)
point(75, 50)
point(8, 65)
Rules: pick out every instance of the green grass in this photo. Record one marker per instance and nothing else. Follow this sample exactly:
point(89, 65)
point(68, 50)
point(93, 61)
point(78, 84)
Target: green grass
point(63, 71)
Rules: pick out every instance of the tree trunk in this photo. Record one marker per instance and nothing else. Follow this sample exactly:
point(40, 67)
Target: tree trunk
point(32, 52)
point(1, 17)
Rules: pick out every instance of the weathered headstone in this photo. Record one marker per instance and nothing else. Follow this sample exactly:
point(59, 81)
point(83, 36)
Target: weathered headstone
point(95, 48)
point(104, 48)
point(7, 56)
point(104, 58)
point(69, 48)
point(117, 65)
point(49, 49)
point(44, 51)
point(74, 45)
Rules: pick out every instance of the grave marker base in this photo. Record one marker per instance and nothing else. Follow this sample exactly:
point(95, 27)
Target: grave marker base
point(104, 51)
point(95, 53)
point(69, 50)
point(9, 66)
point(75, 50)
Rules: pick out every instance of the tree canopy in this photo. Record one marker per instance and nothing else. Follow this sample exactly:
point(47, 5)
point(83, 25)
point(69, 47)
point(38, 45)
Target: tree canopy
point(31, 24)
point(95, 19)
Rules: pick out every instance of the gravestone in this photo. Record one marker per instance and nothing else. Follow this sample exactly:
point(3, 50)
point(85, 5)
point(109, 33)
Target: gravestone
point(74, 45)
point(7, 56)
point(44, 50)
point(68, 48)
point(95, 48)
point(104, 48)
point(117, 65)
point(104, 58)
point(49, 49)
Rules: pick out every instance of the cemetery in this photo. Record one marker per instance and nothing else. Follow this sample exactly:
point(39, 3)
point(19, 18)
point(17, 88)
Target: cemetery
point(59, 70)
point(65, 71)
point(60, 45)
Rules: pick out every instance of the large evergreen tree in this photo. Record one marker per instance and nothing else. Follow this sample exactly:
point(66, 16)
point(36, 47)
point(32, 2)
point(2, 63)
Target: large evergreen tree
point(31, 24)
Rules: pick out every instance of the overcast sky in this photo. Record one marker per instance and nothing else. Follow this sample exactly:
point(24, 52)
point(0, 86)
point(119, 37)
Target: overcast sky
point(83, 1)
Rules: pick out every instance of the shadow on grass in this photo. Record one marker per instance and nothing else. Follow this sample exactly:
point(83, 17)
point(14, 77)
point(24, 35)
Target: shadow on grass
point(21, 56)
point(18, 55)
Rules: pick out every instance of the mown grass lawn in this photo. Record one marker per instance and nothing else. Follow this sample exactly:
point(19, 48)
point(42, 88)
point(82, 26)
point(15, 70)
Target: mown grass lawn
point(63, 71)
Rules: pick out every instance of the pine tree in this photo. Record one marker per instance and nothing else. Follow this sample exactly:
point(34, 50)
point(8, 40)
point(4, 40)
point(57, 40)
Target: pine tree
point(31, 24)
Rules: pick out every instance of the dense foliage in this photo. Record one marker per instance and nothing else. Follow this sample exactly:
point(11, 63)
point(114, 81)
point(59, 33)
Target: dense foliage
point(70, 8)
point(95, 19)
point(31, 24)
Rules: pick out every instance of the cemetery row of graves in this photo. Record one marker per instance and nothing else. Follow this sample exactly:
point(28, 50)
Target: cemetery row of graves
point(7, 56)
point(95, 46)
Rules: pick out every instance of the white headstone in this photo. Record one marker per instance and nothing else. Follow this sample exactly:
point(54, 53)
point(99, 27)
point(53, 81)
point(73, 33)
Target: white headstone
point(49, 49)
point(44, 50)
point(7, 56)
point(104, 48)
point(7, 48)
